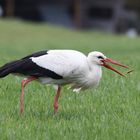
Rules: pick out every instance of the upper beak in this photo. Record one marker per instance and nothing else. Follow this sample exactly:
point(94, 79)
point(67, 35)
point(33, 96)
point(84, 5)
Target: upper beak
point(113, 62)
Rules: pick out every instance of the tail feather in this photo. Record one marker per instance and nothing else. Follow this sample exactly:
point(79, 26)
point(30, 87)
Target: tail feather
point(8, 68)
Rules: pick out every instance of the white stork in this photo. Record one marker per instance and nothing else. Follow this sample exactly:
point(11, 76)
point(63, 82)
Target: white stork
point(60, 67)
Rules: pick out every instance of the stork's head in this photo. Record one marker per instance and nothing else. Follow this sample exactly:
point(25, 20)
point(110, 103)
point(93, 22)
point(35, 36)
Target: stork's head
point(99, 58)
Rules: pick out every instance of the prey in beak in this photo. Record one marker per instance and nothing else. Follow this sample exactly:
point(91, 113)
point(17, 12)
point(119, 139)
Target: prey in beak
point(109, 60)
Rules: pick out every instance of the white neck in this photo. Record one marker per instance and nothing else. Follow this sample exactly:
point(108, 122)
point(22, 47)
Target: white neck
point(94, 73)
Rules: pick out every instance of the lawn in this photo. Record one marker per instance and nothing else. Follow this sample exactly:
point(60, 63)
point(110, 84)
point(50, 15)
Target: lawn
point(109, 112)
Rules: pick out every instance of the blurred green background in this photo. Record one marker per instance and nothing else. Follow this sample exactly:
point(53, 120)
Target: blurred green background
point(109, 112)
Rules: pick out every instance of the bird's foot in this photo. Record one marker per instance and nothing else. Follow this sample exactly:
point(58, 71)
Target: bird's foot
point(21, 111)
point(55, 108)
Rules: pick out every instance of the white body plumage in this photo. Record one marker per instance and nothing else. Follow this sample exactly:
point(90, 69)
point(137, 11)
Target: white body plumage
point(76, 69)
point(60, 67)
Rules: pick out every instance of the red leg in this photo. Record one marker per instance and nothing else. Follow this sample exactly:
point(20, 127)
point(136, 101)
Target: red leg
point(56, 100)
point(23, 84)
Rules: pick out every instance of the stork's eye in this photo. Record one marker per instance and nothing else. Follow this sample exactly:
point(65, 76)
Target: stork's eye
point(100, 57)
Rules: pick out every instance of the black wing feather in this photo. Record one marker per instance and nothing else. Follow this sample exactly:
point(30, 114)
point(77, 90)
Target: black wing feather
point(37, 54)
point(27, 67)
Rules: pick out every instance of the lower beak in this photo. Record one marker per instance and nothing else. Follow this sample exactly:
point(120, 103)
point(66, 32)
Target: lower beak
point(109, 60)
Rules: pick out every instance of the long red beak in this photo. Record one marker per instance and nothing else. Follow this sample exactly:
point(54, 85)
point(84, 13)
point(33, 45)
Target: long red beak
point(105, 61)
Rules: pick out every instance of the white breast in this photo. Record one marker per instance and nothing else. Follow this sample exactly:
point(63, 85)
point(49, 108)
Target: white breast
point(72, 66)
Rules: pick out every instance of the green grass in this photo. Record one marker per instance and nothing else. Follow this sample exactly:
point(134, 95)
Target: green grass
point(110, 112)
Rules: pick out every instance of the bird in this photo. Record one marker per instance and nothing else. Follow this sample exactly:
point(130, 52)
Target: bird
point(60, 68)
